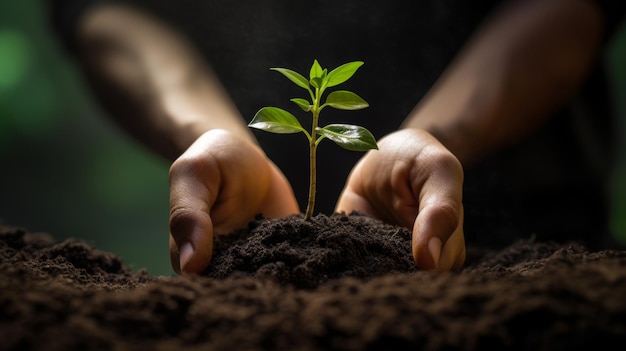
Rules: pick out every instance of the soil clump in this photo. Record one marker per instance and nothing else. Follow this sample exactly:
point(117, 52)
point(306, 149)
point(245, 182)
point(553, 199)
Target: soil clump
point(339, 282)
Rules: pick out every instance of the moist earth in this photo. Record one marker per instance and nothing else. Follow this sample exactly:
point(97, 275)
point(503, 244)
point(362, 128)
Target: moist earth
point(338, 282)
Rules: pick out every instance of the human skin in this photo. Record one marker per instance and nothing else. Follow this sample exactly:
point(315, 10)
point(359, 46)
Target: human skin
point(519, 67)
point(154, 84)
point(523, 63)
point(414, 181)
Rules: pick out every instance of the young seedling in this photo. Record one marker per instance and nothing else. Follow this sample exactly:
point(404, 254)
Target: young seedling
point(350, 137)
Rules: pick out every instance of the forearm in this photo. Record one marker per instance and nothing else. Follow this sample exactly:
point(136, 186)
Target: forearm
point(513, 74)
point(151, 81)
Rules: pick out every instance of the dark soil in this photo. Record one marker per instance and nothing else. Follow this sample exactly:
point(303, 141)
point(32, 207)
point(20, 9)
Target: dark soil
point(336, 283)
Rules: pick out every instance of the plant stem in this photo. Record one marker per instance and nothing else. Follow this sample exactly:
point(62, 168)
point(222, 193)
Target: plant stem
point(312, 179)
point(312, 159)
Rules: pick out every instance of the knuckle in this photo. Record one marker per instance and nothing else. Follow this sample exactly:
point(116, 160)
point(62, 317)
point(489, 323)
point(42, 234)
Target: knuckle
point(448, 214)
point(445, 158)
point(186, 165)
point(449, 210)
point(180, 219)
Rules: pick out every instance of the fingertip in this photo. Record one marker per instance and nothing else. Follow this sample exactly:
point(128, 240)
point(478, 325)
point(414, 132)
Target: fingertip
point(195, 256)
point(422, 255)
point(191, 245)
point(174, 256)
point(459, 262)
point(433, 227)
point(434, 249)
point(185, 253)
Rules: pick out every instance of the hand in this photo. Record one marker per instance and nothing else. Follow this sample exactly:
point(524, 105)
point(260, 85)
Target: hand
point(218, 185)
point(413, 181)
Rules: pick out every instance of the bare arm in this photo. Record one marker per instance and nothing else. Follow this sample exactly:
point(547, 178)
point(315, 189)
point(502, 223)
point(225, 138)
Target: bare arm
point(155, 85)
point(152, 81)
point(523, 64)
point(518, 69)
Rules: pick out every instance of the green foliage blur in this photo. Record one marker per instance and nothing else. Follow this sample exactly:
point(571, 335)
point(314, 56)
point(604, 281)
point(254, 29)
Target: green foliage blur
point(67, 170)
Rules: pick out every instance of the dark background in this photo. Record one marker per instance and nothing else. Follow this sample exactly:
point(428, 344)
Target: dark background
point(67, 170)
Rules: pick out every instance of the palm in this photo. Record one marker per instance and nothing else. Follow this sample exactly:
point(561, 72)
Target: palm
point(218, 185)
point(413, 181)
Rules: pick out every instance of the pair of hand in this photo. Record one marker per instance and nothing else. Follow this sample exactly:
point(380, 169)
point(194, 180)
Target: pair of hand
point(222, 182)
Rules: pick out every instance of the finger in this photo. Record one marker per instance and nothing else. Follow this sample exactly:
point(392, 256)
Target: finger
point(281, 199)
point(183, 254)
point(453, 252)
point(460, 260)
point(350, 201)
point(439, 216)
point(193, 185)
point(191, 241)
point(433, 226)
point(364, 188)
point(174, 255)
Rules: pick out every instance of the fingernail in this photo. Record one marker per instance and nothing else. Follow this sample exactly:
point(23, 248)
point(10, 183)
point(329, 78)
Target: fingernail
point(185, 252)
point(434, 248)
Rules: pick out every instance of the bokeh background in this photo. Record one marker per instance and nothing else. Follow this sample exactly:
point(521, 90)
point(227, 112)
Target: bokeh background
point(67, 170)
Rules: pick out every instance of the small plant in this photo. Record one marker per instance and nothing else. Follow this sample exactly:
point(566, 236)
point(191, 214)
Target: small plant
point(350, 137)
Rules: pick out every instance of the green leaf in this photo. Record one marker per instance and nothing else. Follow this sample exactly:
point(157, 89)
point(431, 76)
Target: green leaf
point(343, 73)
point(316, 70)
point(350, 137)
point(304, 104)
point(345, 100)
point(317, 82)
point(276, 120)
point(294, 77)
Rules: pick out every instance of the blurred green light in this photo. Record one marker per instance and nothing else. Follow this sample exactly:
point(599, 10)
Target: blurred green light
point(124, 178)
point(35, 108)
point(15, 56)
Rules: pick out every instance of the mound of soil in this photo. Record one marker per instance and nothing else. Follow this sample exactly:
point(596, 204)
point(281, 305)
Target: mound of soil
point(336, 283)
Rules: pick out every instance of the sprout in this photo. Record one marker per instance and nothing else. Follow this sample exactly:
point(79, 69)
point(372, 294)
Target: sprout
point(350, 137)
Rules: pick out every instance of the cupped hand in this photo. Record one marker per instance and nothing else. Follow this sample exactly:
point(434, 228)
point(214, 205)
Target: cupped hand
point(218, 185)
point(414, 181)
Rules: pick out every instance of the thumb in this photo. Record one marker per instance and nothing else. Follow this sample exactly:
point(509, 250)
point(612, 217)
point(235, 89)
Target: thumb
point(191, 241)
point(192, 195)
point(433, 226)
